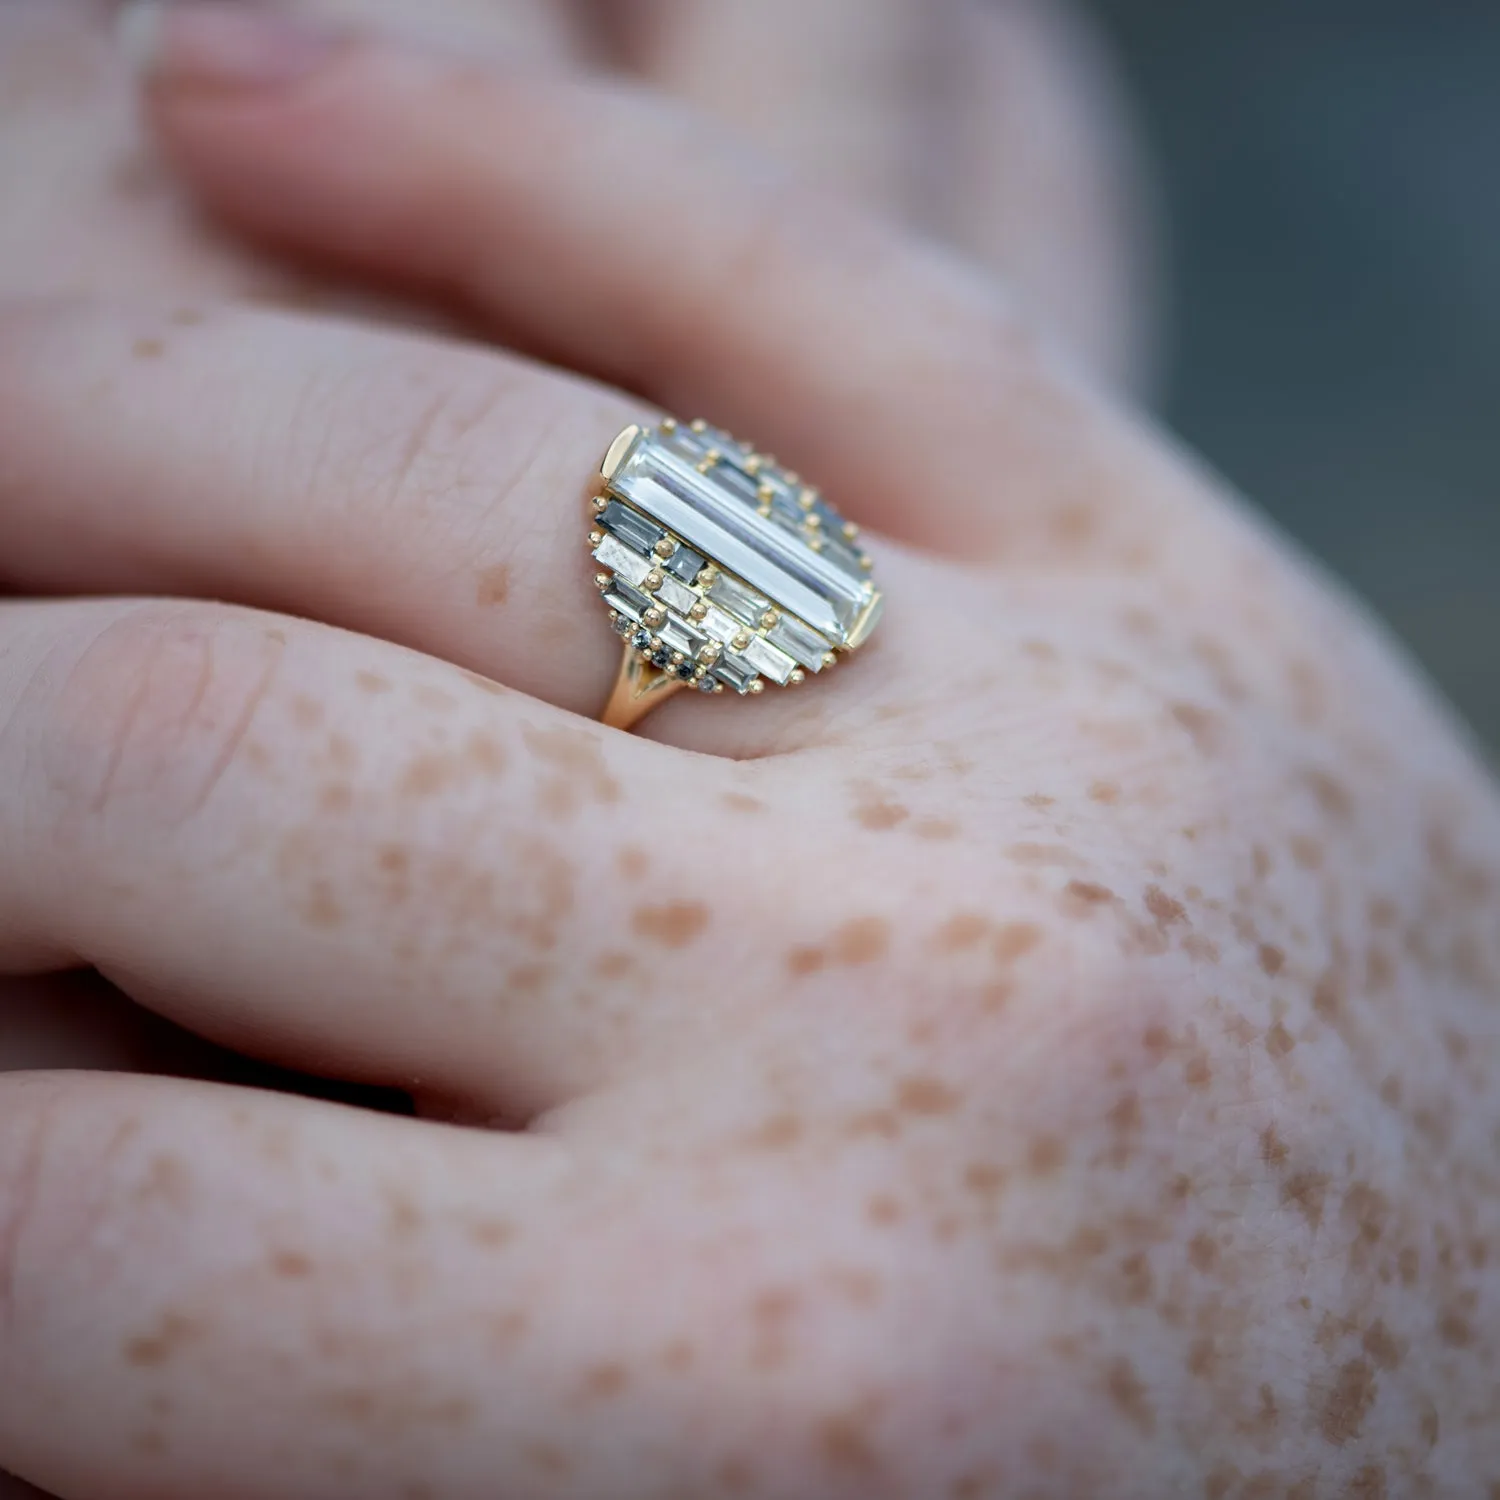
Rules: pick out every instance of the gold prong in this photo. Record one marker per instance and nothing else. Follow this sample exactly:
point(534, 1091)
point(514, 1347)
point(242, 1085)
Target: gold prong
point(770, 620)
point(710, 653)
point(678, 658)
point(654, 580)
point(754, 464)
point(698, 425)
point(669, 425)
point(617, 451)
point(813, 522)
point(765, 493)
point(815, 542)
point(595, 537)
point(851, 531)
point(797, 678)
point(654, 643)
point(699, 611)
point(601, 503)
point(601, 581)
point(654, 618)
point(718, 687)
point(830, 660)
point(867, 563)
point(757, 687)
point(665, 547)
point(740, 642)
point(807, 499)
point(709, 460)
point(764, 510)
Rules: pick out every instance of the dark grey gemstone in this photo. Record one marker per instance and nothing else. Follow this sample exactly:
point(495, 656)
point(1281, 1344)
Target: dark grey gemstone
point(641, 639)
point(685, 564)
point(627, 600)
point(624, 625)
point(662, 658)
point(707, 685)
point(685, 671)
point(631, 527)
point(735, 672)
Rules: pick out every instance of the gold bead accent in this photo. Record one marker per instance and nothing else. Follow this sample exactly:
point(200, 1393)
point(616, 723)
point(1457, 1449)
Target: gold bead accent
point(595, 537)
point(699, 611)
point(754, 464)
point(653, 618)
point(698, 425)
point(850, 531)
point(813, 522)
point(815, 542)
point(830, 660)
point(764, 511)
point(765, 493)
point(867, 563)
point(711, 652)
point(654, 644)
point(807, 499)
point(601, 581)
point(665, 547)
point(770, 620)
point(797, 678)
point(740, 642)
point(654, 580)
point(669, 425)
point(678, 658)
point(757, 687)
point(600, 503)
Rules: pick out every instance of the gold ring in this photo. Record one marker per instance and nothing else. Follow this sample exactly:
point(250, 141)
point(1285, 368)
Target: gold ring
point(721, 569)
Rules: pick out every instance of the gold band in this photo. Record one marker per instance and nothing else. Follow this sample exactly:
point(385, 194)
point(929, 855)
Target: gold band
point(639, 688)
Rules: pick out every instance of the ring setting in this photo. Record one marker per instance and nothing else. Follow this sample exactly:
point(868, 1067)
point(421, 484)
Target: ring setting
point(721, 571)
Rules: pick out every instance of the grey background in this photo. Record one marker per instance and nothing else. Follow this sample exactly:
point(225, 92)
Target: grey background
point(1332, 177)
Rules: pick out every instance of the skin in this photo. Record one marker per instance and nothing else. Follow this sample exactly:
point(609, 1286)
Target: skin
point(1054, 1056)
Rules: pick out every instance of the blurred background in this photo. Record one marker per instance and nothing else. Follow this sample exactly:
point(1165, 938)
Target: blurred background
point(1332, 176)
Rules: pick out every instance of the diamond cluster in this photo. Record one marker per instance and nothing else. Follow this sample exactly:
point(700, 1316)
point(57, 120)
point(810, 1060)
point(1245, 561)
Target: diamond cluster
point(722, 568)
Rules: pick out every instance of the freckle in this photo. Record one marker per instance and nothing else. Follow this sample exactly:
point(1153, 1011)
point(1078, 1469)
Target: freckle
point(922, 1095)
point(404, 1216)
point(962, 931)
point(1136, 1280)
point(1042, 856)
point(1408, 1265)
point(510, 1327)
point(984, 1181)
point(393, 859)
point(321, 909)
point(861, 1287)
point(494, 586)
point(1279, 1041)
point(1104, 791)
point(492, 1234)
point(1306, 1191)
point(1272, 959)
point(187, 317)
point(845, 1445)
point(1015, 940)
point(373, 682)
point(1455, 1330)
point(172, 1331)
point(1038, 802)
point(1167, 911)
point(995, 996)
point(1203, 1358)
point(678, 924)
point(1087, 894)
point(801, 962)
point(547, 1459)
point(434, 699)
point(678, 1356)
point(167, 1181)
point(605, 1381)
point(336, 797)
point(291, 1265)
point(1331, 795)
point(779, 1133)
point(307, 713)
point(1125, 1390)
point(861, 941)
point(880, 815)
point(1383, 1348)
point(1343, 1408)
point(1220, 1482)
point(148, 349)
point(739, 802)
point(1046, 1155)
point(614, 965)
point(937, 830)
point(633, 862)
point(1125, 1114)
point(1200, 948)
point(1203, 727)
point(1039, 650)
point(1203, 1253)
point(1307, 852)
point(484, 684)
point(884, 1210)
point(1198, 1073)
point(1367, 1484)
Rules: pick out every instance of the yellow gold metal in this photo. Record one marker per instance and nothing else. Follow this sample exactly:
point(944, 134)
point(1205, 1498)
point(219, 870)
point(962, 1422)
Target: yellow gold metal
point(654, 580)
point(867, 563)
point(601, 504)
point(698, 425)
point(665, 547)
point(770, 620)
point(595, 537)
point(797, 678)
point(710, 460)
point(813, 522)
point(639, 688)
point(830, 660)
point(757, 687)
point(653, 619)
point(850, 530)
point(740, 642)
point(669, 424)
point(865, 623)
point(807, 499)
point(698, 612)
point(617, 451)
point(601, 581)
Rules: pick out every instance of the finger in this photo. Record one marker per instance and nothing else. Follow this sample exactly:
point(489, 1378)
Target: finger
point(1044, 180)
point(344, 857)
point(836, 86)
point(540, 31)
point(638, 246)
point(195, 1277)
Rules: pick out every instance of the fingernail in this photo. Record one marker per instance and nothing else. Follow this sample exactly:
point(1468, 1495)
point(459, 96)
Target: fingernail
point(220, 44)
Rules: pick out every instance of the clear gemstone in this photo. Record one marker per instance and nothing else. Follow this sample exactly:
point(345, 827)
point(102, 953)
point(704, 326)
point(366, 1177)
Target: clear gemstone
point(723, 628)
point(804, 646)
point(630, 526)
point(621, 561)
point(676, 596)
point(770, 559)
point(736, 672)
point(837, 550)
point(768, 661)
point(739, 600)
point(681, 636)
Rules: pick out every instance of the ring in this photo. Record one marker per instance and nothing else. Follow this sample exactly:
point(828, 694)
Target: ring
point(721, 569)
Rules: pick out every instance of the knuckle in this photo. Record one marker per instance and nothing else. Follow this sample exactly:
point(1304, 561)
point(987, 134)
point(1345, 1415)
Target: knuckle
point(154, 712)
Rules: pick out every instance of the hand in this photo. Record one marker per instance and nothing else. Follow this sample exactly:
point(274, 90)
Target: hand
point(998, 132)
point(1055, 1056)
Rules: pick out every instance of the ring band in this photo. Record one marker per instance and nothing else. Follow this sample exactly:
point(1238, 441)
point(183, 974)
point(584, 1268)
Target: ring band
point(721, 570)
